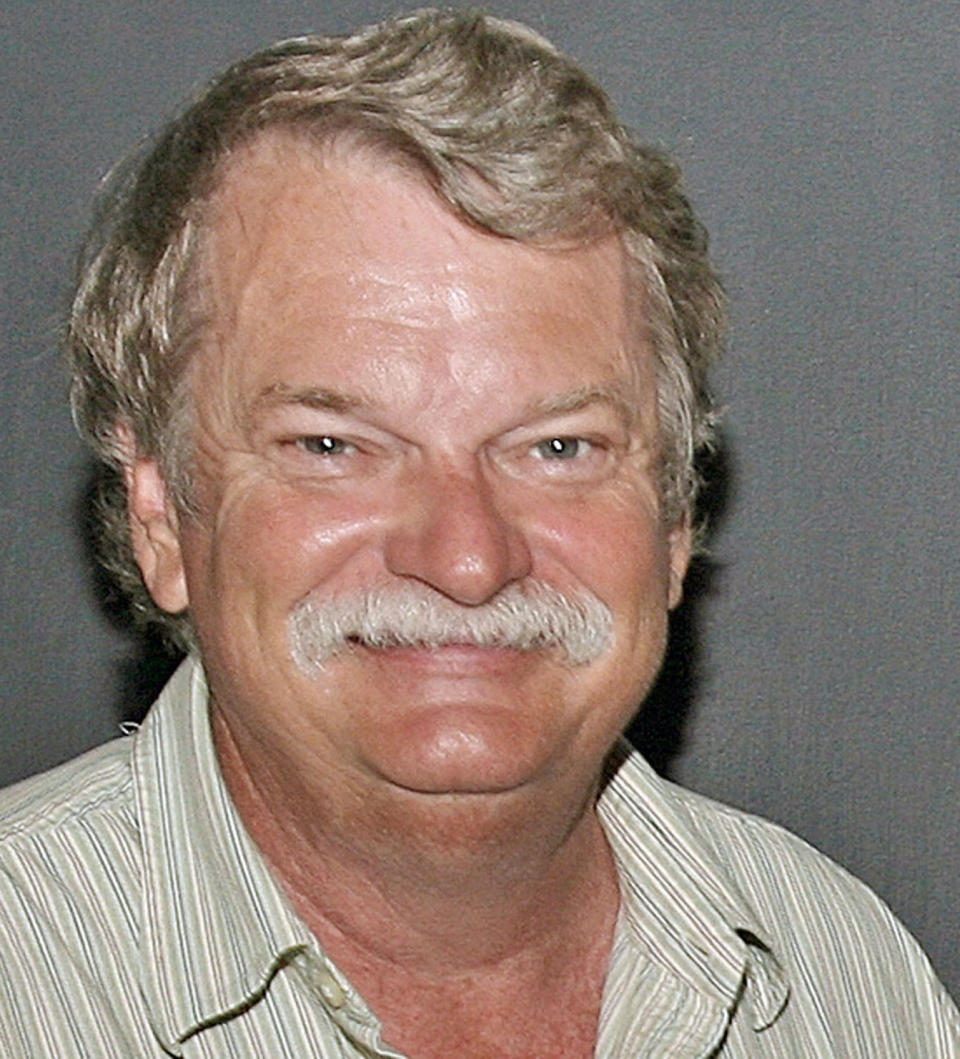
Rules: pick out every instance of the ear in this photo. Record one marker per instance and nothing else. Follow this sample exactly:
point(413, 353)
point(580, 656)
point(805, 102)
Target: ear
point(154, 528)
point(679, 549)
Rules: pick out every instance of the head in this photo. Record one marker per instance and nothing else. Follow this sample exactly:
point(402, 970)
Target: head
point(511, 137)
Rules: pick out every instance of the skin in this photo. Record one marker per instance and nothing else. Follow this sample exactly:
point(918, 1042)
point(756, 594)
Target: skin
point(379, 396)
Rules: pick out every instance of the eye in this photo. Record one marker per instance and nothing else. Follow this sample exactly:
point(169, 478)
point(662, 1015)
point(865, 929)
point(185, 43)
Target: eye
point(561, 448)
point(324, 445)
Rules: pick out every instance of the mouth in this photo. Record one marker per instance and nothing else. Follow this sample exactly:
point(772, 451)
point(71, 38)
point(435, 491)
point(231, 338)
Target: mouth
point(433, 645)
point(446, 657)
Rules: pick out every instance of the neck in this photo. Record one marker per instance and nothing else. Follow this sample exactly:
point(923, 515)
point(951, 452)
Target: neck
point(435, 884)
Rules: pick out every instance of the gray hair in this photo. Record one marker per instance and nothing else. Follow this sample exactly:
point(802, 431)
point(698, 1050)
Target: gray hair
point(411, 614)
point(462, 96)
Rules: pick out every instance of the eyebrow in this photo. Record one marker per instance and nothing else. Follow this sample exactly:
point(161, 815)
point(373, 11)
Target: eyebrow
point(615, 394)
point(323, 398)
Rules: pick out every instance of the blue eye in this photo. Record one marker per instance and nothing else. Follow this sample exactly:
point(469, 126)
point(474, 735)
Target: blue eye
point(323, 445)
point(560, 448)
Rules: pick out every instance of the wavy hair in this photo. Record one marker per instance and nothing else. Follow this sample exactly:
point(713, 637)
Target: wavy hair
point(511, 134)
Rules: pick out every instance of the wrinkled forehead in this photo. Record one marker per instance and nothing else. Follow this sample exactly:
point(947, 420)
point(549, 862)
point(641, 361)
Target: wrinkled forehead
point(293, 215)
point(302, 153)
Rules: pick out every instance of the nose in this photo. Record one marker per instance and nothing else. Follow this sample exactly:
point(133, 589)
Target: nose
point(454, 537)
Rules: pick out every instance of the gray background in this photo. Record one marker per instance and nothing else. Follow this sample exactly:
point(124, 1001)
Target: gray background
point(821, 141)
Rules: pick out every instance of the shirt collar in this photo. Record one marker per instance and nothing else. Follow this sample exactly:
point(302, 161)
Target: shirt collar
point(678, 903)
point(216, 925)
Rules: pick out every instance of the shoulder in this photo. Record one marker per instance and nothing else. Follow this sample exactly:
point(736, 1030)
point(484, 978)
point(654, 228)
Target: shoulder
point(836, 939)
point(768, 863)
point(64, 796)
point(69, 843)
point(759, 862)
point(70, 875)
point(790, 883)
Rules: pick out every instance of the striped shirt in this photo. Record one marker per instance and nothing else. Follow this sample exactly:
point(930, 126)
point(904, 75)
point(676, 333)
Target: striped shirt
point(138, 919)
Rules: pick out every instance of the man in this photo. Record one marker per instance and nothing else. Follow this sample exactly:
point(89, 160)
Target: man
point(394, 349)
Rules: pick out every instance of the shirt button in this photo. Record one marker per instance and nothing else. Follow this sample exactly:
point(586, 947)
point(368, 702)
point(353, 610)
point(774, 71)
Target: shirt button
point(331, 990)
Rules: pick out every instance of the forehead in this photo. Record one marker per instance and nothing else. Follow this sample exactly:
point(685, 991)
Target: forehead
point(311, 247)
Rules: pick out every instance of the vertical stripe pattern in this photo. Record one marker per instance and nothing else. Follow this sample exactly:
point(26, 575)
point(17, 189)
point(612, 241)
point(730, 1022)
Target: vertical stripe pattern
point(137, 919)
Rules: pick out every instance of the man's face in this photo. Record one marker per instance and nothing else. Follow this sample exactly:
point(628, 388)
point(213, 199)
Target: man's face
point(386, 395)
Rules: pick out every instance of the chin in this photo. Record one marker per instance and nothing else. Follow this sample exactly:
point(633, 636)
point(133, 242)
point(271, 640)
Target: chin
point(452, 751)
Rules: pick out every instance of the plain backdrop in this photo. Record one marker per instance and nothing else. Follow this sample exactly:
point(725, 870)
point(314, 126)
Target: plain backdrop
point(816, 677)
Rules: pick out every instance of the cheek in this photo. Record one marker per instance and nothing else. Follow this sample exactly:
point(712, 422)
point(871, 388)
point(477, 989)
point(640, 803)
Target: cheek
point(617, 549)
point(270, 545)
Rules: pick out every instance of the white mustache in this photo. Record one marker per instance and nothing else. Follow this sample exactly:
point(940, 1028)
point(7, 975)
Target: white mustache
point(408, 614)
